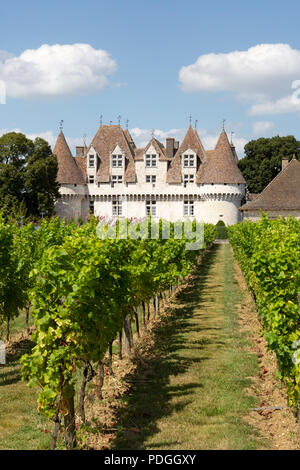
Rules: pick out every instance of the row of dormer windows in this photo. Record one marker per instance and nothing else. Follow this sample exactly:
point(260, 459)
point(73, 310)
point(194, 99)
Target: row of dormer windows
point(117, 161)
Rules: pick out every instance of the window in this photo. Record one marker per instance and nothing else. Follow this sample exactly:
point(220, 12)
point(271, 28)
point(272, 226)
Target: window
point(117, 207)
point(91, 179)
point(151, 207)
point(151, 160)
point(188, 179)
point(92, 161)
point(188, 208)
point(117, 161)
point(151, 179)
point(116, 179)
point(92, 207)
point(188, 161)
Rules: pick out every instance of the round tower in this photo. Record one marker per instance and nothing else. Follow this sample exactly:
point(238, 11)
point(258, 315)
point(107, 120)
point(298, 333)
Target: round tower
point(222, 185)
point(71, 179)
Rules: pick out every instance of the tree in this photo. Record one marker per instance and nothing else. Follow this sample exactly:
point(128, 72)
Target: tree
point(263, 159)
point(28, 171)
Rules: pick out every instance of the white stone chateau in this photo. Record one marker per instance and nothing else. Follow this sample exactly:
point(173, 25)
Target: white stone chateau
point(113, 178)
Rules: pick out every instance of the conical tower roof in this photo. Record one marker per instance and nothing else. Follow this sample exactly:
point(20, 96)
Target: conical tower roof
point(221, 166)
point(68, 171)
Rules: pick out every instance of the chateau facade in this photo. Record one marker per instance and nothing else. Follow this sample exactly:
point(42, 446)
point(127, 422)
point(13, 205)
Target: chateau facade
point(113, 178)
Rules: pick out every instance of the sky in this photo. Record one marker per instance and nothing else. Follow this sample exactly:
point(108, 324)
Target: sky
point(155, 63)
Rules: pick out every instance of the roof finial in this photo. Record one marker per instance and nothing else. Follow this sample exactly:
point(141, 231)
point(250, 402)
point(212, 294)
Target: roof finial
point(196, 122)
point(110, 123)
point(127, 122)
point(152, 132)
point(101, 116)
point(190, 119)
point(231, 135)
point(84, 137)
point(61, 124)
point(119, 119)
point(223, 124)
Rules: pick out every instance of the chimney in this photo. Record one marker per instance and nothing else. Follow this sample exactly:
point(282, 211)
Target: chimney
point(285, 162)
point(79, 151)
point(170, 147)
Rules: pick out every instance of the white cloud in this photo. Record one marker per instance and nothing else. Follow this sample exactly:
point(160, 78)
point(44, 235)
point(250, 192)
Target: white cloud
point(141, 137)
point(264, 74)
point(262, 70)
point(284, 105)
point(56, 70)
point(261, 127)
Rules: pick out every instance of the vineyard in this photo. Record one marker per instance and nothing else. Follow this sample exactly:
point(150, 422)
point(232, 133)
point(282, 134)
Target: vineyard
point(89, 291)
point(83, 292)
point(268, 253)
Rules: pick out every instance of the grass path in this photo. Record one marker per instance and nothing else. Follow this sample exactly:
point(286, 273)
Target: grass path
point(21, 427)
point(192, 394)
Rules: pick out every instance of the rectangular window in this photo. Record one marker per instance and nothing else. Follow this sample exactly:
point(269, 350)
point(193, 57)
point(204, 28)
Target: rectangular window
point(92, 207)
point(151, 160)
point(117, 161)
point(91, 179)
point(188, 161)
point(92, 161)
point(117, 179)
point(188, 208)
point(117, 207)
point(151, 207)
point(188, 179)
point(151, 179)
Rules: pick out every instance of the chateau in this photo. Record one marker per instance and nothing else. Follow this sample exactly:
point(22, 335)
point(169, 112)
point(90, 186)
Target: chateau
point(112, 177)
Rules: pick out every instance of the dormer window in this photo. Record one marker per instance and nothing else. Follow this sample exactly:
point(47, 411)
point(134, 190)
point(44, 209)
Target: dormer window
point(188, 179)
point(151, 160)
point(117, 179)
point(189, 161)
point(91, 161)
point(151, 179)
point(117, 161)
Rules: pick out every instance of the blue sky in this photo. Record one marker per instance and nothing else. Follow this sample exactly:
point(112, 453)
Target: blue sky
point(150, 72)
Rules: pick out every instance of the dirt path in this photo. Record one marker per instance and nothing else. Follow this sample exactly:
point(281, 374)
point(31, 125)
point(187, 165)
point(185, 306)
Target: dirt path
point(192, 392)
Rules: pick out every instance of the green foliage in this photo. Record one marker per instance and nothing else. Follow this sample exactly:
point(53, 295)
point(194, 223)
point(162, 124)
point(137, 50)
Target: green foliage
point(263, 159)
point(81, 288)
point(12, 290)
point(82, 291)
point(28, 173)
point(269, 253)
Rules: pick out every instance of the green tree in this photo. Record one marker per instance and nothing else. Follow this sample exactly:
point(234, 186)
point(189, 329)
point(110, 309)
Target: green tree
point(28, 171)
point(263, 159)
